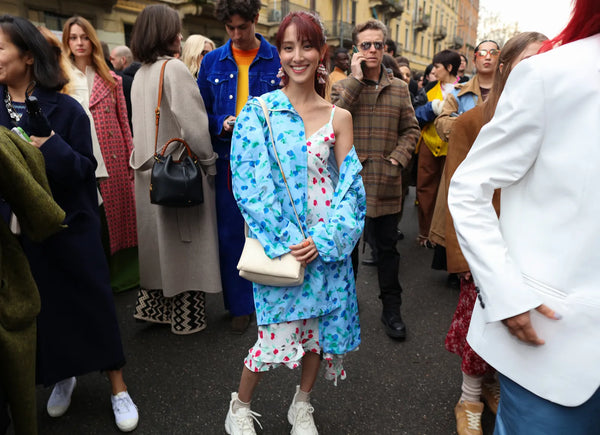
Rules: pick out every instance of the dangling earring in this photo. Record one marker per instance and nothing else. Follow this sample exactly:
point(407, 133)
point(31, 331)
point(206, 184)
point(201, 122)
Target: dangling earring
point(322, 74)
point(282, 75)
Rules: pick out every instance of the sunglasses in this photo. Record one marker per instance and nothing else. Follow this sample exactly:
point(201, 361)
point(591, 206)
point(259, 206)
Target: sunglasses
point(204, 52)
point(484, 53)
point(367, 45)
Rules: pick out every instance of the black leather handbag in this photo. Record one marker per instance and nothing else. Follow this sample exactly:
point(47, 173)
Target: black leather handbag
point(174, 183)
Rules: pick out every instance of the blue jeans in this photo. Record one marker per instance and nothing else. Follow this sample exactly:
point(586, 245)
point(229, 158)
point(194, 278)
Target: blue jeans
point(522, 412)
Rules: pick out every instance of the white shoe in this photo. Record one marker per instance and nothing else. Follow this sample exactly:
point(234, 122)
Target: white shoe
point(240, 422)
point(60, 399)
point(126, 413)
point(300, 417)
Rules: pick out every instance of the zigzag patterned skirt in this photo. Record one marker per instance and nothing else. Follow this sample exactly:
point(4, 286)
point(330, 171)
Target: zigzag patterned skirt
point(185, 312)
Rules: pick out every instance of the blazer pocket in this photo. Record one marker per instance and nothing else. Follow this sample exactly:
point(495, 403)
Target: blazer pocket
point(390, 186)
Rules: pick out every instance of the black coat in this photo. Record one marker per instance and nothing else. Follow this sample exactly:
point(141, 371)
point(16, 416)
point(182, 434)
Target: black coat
point(77, 325)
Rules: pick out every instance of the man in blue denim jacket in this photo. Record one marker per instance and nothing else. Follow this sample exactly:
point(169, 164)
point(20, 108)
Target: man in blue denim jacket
point(246, 66)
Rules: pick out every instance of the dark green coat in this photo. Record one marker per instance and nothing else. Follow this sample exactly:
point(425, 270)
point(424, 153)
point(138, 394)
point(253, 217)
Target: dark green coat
point(24, 186)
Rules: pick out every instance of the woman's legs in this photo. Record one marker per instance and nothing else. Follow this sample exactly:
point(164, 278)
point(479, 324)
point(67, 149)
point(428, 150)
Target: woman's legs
point(248, 383)
point(310, 369)
point(126, 413)
point(116, 381)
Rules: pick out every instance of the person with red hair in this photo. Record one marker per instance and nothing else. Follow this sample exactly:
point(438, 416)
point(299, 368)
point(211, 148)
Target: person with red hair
point(535, 269)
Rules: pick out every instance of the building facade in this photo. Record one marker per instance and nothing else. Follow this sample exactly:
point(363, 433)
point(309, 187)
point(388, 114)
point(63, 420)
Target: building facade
point(420, 28)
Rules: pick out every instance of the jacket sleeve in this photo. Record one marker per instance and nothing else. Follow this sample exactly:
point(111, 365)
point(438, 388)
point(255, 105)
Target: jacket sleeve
point(345, 93)
point(215, 120)
point(408, 131)
point(445, 121)
point(189, 113)
point(458, 147)
point(121, 107)
point(336, 238)
point(70, 159)
point(424, 114)
point(504, 151)
point(257, 196)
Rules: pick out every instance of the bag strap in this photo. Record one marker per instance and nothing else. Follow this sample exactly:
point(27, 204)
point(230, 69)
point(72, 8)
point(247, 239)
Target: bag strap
point(157, 110)
point(264, 108)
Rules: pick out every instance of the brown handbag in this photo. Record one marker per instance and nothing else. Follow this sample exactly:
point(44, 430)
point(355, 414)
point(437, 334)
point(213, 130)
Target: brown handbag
point(174, 183)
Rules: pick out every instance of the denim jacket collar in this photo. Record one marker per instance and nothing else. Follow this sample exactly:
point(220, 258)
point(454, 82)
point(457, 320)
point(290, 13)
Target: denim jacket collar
point(264, 52)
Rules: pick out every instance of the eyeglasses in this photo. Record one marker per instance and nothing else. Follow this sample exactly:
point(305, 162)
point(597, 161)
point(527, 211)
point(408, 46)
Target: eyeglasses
point(367, 45)
point(492, 52)
point(204, 52)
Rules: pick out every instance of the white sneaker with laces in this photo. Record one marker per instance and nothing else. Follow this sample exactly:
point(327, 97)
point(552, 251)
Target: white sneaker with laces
point(126, 413)
point(60, 399)
point(300, 417)
point(240, 422)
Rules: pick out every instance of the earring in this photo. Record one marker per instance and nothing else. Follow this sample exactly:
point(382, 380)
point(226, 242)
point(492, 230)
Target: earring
point(322, 74)
point(281, 73)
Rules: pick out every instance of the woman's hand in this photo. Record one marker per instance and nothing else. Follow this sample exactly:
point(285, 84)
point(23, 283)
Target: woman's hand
point(39, 141)
point(305, 252)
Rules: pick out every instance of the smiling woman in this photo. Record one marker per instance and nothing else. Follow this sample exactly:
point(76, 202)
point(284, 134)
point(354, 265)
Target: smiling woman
point(313, 142)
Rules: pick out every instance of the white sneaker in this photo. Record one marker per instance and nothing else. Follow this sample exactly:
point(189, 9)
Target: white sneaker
point(300, 417)
point(240, 422)
point(60, 399)
point(126, 413)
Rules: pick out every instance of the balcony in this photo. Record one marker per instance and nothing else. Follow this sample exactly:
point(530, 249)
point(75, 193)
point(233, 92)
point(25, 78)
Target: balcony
point(387, 8)
point(339, 30)
point(457, 43)
point(422, 22)
point(440, 33)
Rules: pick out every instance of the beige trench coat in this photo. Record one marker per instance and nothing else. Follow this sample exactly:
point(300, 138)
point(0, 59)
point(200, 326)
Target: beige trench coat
point(178, 247)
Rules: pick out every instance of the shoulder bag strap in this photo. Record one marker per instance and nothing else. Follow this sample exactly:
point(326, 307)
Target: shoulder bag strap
point(264, 108)
point(157, 110)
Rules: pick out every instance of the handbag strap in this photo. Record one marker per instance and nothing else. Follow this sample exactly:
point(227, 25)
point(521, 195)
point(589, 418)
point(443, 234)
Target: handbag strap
point(157, 110)
point(264, 108)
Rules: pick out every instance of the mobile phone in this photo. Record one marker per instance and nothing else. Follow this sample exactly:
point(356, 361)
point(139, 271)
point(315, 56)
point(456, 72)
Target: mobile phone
point(21, 133)
point(231, 123)
point(362, 63)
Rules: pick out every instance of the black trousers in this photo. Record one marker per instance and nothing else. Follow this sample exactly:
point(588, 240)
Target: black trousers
point(383, 235)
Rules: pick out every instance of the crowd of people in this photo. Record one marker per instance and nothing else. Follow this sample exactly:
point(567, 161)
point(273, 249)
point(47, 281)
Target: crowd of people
point(310, 160)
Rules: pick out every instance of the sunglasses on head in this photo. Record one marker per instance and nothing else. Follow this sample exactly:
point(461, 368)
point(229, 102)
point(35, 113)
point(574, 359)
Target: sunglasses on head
point(484, 53)
point(367, 45)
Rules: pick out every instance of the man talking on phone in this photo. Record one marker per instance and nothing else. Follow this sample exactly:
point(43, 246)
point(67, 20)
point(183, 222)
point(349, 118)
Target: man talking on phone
point(385, 134)
point(245, 66)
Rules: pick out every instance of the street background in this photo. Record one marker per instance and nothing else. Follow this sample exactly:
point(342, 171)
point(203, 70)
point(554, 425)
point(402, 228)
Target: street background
point(183, 384)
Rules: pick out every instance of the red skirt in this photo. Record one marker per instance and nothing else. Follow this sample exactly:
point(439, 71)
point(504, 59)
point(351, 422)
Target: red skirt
point(456, 339)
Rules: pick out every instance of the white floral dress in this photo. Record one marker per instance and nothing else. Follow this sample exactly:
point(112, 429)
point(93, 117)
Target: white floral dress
point(286, 343)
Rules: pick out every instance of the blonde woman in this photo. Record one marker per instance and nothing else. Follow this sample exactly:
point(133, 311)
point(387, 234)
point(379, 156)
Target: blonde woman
point(194, 49)
point(108, 108)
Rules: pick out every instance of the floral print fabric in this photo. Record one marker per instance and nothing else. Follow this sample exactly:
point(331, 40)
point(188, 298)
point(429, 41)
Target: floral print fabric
point(328, 292)
point(456, 339)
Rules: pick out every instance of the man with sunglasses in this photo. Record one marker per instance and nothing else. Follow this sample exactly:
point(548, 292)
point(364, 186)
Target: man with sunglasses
point(385, 134)
point(472, 93)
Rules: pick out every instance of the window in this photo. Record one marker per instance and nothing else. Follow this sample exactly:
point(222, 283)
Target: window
point(55, 21)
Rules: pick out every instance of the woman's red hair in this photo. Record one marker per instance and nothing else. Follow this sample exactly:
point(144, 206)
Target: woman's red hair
point(584, 22)
point(309, 28)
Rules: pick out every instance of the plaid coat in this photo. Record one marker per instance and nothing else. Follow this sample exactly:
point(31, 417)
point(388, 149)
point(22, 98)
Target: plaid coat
point(384, 127)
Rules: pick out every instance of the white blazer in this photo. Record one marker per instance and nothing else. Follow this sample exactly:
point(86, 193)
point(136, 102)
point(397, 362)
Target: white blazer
point(543, 149)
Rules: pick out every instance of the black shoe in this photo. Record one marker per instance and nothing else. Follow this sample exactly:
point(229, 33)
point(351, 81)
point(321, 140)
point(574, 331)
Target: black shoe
point(453, 281)
point(370, 260)
point(393, 324)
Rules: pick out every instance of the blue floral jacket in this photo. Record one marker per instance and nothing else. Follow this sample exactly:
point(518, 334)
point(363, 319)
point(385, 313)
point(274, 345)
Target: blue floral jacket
point(329, 290)
point(217, 80)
